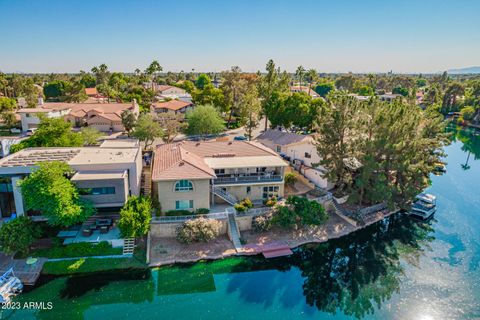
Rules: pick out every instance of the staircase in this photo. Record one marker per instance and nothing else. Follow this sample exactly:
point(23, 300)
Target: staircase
point(128, 245)
point(228, 197)
point(146, 182)
point(234, 232)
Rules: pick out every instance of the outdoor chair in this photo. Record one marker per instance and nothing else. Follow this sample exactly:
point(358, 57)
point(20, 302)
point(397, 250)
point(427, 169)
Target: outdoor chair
point(87, 232)
point(104, 229)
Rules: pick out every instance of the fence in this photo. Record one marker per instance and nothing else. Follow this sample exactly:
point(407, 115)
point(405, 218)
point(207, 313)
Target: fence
point(179, 219)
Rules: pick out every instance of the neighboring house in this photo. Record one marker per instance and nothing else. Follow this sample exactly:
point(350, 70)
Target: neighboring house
point(305, 89)
point(7, 142)
point(30, 119)
point(358, 97)
point(106, 175)
point(164, 91)
point(300, 150)
point(191, 175)
point(102, 116)
point(389, 97)
point(171, 106)
point(91, 92)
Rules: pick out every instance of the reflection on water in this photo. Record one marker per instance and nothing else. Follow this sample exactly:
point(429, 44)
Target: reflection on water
point(398, 268)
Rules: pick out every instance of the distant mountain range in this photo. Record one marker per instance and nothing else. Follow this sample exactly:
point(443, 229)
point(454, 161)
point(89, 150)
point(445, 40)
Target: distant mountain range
point(464, 70)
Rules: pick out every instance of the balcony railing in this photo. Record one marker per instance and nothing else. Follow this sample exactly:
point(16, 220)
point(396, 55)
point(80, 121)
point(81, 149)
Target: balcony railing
point(227, 179)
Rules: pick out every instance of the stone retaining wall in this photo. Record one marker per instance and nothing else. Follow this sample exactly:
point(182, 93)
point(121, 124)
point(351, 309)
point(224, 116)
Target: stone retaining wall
point(168, 230)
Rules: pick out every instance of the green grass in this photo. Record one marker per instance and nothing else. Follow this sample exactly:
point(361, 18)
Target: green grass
point(89, 265)
point(73, 250)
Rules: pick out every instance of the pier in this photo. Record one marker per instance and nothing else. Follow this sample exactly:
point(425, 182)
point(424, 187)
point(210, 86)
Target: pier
point(27, 273)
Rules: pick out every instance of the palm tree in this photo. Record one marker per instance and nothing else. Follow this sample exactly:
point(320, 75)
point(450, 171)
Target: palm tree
point(152, 70)
point(299, 74)
point(312, 76)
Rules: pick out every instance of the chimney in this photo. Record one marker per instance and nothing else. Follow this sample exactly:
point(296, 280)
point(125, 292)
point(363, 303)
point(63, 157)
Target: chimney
point(40, 100)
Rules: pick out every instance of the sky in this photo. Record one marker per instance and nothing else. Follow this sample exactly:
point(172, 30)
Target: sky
point(331, 36)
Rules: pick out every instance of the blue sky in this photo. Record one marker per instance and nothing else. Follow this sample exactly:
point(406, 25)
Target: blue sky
point(331, 36)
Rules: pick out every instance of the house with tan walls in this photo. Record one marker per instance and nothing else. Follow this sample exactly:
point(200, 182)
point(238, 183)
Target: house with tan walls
point(106, 174)
point(190, 175)
point(300, 150)
point(105, 117)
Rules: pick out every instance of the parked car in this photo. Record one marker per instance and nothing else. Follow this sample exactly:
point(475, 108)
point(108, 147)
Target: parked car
point(240, 138)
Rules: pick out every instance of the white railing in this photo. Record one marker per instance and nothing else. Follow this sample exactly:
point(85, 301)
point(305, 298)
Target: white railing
point(253, 212)
point(178, 219)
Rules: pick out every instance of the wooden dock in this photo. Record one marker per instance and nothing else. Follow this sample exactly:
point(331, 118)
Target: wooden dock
point(28, 274)
point(269, 250)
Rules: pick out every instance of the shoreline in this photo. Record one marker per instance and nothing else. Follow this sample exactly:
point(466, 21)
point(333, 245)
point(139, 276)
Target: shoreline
point(347, 228)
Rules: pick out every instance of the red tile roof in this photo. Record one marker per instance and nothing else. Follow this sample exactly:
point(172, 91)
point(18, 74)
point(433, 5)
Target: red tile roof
point(91, 91)
point(173, 105)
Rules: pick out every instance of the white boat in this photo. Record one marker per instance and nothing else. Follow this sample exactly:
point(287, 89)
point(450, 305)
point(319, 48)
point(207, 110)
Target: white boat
point(10, 286)
point(424, 206)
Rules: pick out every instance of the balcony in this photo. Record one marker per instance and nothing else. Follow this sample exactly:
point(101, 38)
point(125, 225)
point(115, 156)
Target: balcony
point(247, 178)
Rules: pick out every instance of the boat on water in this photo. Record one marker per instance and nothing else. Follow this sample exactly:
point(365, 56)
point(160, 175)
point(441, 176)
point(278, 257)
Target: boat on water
point(440, 168)
point(10, 286)
point(424, 206)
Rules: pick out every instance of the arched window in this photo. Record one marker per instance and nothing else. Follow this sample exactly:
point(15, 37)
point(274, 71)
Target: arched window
point(183, 186)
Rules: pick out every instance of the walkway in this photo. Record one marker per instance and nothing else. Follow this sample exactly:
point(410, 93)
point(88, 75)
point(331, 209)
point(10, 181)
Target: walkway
point(234, 232)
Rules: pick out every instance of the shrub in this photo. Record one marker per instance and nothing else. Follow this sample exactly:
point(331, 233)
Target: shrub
point(300, 211)
point(290, 178)
point(178, 213)
point(262, 223)
point(202, 211)
point(135, 217)
point(270, 202)
point(197, 230)
point(240, 207)
point(247, 203)
point(18, 235)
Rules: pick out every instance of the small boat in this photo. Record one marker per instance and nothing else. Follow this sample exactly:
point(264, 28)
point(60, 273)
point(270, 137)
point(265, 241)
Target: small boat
point(440, 168)
point(10, 286)
point(424, 206)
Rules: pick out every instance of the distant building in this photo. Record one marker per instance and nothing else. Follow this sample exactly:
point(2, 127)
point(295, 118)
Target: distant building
point(305, 89)
point(389, 97)
point(105, 175)
point(171, 106)
point(102, 116)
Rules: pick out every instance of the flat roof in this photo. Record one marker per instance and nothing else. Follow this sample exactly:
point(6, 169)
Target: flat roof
point(119, 143)
point(73, 156)
point(90, 175)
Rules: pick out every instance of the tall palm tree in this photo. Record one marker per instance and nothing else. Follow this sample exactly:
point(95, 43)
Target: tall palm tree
point(299, 74)
point(152, 70)
point(312, 76)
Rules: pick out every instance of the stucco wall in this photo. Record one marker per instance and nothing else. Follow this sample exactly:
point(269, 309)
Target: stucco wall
point(120, 196)
point(244, 223)
point(168, 230)
point(256, 190)
point(200, 194)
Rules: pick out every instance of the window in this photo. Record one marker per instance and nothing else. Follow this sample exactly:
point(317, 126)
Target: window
point(183, 204)
point(183, 186)
point(97, 191)
point(279, 149)
point(308, 155)
point(249, 189)
point(219, 171)
point(270, 191)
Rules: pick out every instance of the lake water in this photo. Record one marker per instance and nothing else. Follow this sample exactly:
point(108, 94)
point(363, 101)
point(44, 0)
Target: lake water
point(396, 269)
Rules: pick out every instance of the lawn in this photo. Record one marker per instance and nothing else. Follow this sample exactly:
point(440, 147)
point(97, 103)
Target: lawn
point(83, 249)
point(89, 265)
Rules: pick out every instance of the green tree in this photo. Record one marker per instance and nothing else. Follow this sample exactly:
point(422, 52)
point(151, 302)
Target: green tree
point(172, 125)
point(202, 81)
point(299, 73)
point(345, 82)
point(365, 91)
point(48, 190)
point(204, 120)
point(51, 132)
point(324, 88)
point(101, 73)
point(90, 135)
point(249, 109)
point(135, 217)
point(208, 95)
point(153, 70)
point(467, 113)
point(55, 89)
point(129, 120)
point(336, 135)
point(87, 80)
point(17, 235)
point(400, 90)
point(147, 129)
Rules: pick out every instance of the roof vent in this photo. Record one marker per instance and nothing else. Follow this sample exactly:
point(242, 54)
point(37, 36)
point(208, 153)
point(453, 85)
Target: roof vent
point(197, 144)
point(230, 142)
point(181, 163)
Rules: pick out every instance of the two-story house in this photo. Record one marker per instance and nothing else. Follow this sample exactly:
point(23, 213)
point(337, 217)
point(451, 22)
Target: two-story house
point(191, 175)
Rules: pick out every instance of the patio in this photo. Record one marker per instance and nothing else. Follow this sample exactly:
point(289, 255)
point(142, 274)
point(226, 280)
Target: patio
point(97, 236)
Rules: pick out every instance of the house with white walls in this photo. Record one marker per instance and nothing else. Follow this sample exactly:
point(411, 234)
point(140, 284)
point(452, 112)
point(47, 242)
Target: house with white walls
point(300, 151)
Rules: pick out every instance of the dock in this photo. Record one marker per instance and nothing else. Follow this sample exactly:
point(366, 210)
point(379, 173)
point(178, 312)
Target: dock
point(272, 249)
point(28, 274)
